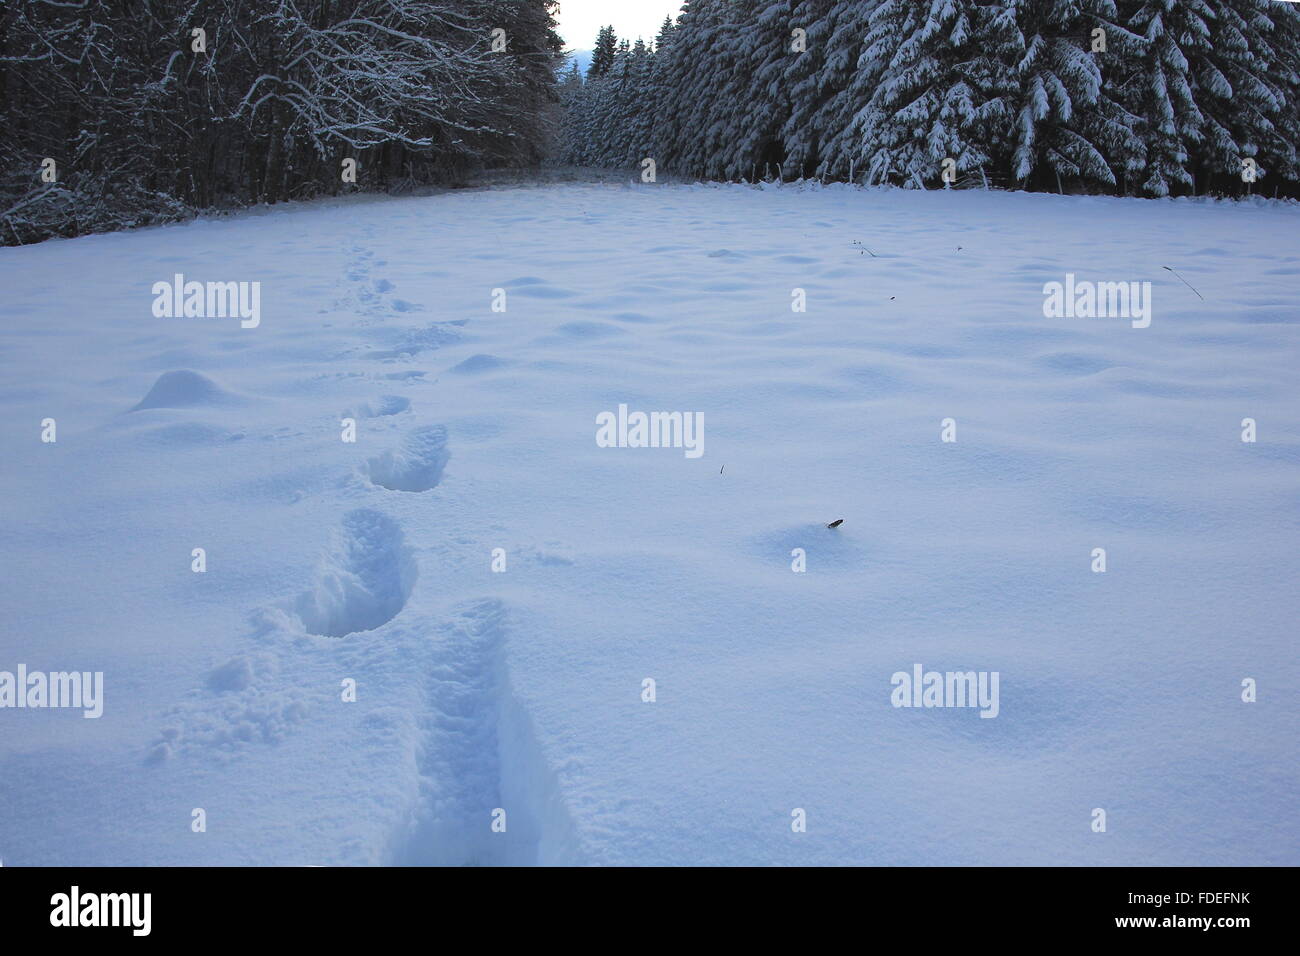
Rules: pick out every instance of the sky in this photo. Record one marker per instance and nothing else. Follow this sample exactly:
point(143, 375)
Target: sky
point(579, 20)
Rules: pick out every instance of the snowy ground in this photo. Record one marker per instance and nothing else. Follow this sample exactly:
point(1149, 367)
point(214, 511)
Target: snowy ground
point(523, 690)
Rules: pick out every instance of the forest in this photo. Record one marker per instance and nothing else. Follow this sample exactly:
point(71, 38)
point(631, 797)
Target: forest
point(1127, 97)
point(118, 114)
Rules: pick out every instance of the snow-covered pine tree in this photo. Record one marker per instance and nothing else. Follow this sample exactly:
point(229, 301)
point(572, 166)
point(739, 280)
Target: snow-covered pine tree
point(617, 127)
point(725, 93)
point(638, 99)
point(598, 113)
point(756, 98)
point(1284, 144)
point(602, 55)
point(1242, 93)
point(790, 88)
point(524, 95)
point(570, 144)
point(1159, 86)
point(661, 79)
point(1059, 129)
point(940, 89)
point(824, 95)
point(614, 107)
point(696, 74)
point(665, 34)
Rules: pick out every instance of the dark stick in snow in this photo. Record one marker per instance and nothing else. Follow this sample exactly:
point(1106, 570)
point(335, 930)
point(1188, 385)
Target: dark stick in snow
point(1186, 283)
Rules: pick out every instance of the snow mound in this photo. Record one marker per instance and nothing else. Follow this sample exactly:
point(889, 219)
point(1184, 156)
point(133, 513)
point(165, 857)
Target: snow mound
point(184, 389)
point(477, 364)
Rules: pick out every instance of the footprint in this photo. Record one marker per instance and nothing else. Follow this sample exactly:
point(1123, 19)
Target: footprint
point(384, 405)
point(459, 760)
point(408, 343)
point(416, 464)
point(478, 752)
point(363, 582)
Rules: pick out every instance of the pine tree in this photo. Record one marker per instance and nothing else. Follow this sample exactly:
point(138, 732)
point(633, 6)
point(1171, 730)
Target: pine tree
point(569, 148)
point(660, 81)
point(696, 78)
point(1059, 126)
point(1242, 92)
point(637, 99)
point(1282, 144)
point(602, 57)
point(1158, 87)
point(823, 97)
point(939, 89)
point(754, 102)
point(1130, 96)
point(665, 35)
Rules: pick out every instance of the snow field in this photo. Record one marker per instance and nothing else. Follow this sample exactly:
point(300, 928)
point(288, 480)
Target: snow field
point(371, 561)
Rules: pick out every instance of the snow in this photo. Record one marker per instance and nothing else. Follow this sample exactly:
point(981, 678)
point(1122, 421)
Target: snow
point(372, 561)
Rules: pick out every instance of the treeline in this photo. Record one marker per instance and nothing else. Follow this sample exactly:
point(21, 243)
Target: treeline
point(125, 112)
point(1129, 97)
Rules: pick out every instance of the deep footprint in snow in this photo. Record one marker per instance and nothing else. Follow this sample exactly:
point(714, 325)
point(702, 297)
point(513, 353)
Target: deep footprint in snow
point(478, 752)
point(416, 464)
point(459, 759)
point(363, 582)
